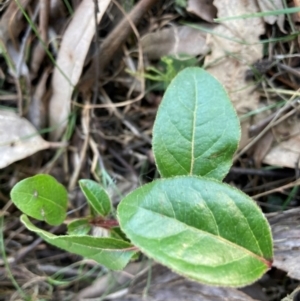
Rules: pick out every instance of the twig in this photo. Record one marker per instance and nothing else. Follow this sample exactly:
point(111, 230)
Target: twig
point(256, 128)
point(96, 11)
point(289, 69)
point(278, 189)
point(259, 172)
point(85, 127)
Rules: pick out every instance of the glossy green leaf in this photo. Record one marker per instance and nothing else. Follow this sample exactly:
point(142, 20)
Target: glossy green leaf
point(196, 130)
point(96, 196)
point(112, 253)
point(79, 227)
point(200, 228)
point(42, 198)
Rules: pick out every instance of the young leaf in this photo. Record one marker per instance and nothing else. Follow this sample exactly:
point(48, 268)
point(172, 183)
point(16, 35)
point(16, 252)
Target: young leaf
point(42, 198)
point(196, 130)
point(79, 227)
point(96, 196)
point(200, 228)
point(112, 253)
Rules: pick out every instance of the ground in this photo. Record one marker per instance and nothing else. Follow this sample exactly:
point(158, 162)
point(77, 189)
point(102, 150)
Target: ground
point(81, 82)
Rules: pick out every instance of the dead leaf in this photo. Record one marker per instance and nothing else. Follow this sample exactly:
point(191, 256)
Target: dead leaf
point(204, 9)
point(39, 53)
point(286, 235)
point(174, 40)
point(71, 56)
point(286, 153)
point(235, 46)
point(269, 5)
point(19, 139)
point(11, 22)
point(37, 107)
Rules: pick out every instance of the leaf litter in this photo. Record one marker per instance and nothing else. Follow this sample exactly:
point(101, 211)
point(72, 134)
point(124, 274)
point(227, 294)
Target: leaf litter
point(49, 76)
point(19, 139)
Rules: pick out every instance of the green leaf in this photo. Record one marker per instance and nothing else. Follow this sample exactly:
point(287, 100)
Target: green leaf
point(116, 232)
point(200, 228)
point(42, 198)
point(112, 253)
point(79, 227)
point(96, 196)
point(196, 130)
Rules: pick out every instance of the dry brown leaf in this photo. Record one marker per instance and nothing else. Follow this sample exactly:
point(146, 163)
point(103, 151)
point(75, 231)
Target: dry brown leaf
point(235, 46)
point(37, 107)
point(286, 152)
point(11, 22)
point(174, 40)
point(72, 53)
point(269, 5)
point(39, 53)
point(19, 139)
point(204, 9)
point(286, 234)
